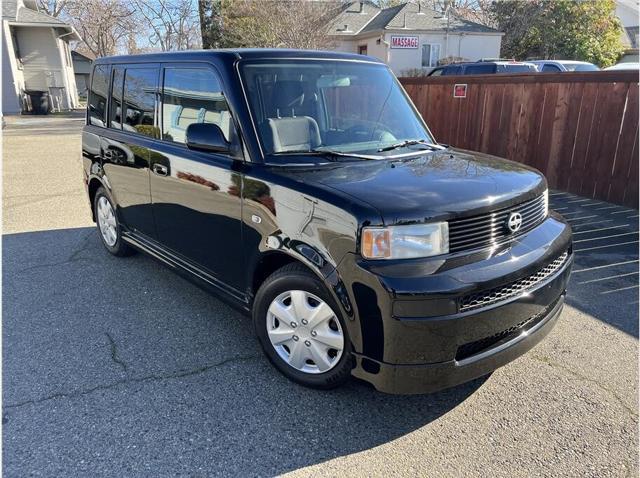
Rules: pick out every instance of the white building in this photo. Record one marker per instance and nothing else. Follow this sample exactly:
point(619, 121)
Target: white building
point(411, 36)
point(628, 11)
point(35, 56)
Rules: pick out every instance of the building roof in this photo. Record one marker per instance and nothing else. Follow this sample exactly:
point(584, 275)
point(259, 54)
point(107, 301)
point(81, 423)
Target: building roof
point(15, 11)
point(76, 55)
point(366, 18)
point(353, 18)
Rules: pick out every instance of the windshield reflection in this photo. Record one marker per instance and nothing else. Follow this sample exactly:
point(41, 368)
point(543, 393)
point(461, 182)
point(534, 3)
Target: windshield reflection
point(345, 107)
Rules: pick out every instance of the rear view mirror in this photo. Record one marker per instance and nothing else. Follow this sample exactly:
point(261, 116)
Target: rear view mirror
point(333, 81)
point(206, 137)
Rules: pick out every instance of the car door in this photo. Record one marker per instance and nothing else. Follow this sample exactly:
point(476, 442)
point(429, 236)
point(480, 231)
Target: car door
point(132, 125)
point(196, 195)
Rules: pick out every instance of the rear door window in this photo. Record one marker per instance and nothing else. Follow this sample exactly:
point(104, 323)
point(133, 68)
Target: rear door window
point(452, 70)
point(192, 95)
point(517, 69)
point(98, 95)
point(115, 111)
point(480, 69)
point(140, 86)
point(550, 68)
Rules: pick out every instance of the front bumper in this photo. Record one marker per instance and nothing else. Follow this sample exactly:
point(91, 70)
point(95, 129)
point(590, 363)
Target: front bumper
point(415, 335)
point(431, 377)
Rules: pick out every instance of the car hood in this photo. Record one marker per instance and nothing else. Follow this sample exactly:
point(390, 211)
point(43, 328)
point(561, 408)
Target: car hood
point(439, 185)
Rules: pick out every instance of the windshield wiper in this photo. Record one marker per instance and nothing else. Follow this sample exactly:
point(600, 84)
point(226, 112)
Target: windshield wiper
point(330, 152)
point(411, 142)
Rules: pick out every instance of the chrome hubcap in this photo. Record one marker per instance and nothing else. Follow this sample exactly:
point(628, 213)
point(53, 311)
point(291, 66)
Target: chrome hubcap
point(305, 331)
point(107, 222)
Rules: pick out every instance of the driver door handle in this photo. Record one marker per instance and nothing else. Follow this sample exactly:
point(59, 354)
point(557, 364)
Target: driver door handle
point(160, 170)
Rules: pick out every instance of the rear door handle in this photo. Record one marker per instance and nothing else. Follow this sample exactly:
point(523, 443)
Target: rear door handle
point(160, 170)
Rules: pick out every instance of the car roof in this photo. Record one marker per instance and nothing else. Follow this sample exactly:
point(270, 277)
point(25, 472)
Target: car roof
point(562, 62)
point(236, 54)
point(468, 63)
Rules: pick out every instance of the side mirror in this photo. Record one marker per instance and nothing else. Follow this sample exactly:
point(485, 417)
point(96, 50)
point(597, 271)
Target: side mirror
point(206, 137)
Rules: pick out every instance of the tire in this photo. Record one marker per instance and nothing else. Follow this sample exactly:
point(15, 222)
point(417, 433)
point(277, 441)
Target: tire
point(111, 240)
point(281, 287)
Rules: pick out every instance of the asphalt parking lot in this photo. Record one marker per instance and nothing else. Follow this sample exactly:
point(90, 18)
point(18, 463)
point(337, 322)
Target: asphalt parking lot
point(119, 367)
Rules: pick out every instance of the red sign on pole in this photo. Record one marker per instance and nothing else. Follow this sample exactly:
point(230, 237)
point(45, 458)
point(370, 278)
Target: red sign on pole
point(460, 91)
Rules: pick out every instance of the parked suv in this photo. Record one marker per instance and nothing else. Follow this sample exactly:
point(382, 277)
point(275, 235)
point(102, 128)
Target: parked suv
point(484, 68)
point(305, 189)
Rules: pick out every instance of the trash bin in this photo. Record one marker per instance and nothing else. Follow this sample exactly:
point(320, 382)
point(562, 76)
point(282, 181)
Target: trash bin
point(40, 103)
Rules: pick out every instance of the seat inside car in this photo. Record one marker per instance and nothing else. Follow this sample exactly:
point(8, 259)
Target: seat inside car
point(290, 127)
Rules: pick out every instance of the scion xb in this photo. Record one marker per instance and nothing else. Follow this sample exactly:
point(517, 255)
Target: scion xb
point(305, 189)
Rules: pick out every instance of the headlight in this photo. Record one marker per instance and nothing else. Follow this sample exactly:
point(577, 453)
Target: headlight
point(546, 202)
point(405, 242)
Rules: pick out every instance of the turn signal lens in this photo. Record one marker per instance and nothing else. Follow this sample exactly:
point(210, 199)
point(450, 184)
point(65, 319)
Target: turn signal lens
point(375, 243)
point(405, 242)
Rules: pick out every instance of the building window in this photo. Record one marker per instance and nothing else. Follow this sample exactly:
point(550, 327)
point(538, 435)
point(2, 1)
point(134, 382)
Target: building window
point(362, 49)
point(430, 55)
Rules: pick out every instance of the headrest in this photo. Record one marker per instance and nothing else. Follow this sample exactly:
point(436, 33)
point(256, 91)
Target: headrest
point(287, 95)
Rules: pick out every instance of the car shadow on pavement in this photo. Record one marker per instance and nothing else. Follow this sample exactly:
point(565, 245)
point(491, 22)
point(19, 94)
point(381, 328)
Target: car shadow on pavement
point(121, 367)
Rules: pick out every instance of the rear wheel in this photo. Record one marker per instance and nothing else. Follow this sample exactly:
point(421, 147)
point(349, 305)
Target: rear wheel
point(108, 225)
point(300, 328)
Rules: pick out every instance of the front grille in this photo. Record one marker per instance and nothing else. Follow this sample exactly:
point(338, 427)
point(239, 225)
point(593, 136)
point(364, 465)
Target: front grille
point(485, 298)
point(472, 348)
point(488, 230)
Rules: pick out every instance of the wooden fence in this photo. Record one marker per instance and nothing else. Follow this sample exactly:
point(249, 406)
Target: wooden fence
point(579, 129)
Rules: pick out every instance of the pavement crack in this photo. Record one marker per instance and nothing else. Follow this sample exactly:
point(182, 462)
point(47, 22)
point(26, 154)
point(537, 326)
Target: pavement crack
point(114, 354)
point(133, 380)
point(74, 257)
point(613, 393)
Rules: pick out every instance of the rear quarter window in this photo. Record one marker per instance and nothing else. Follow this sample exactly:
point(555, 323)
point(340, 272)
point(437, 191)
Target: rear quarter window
point(97, 103)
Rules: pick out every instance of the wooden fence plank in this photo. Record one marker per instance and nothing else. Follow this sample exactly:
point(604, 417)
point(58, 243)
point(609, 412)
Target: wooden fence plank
point(624, 156)
point(580, 129)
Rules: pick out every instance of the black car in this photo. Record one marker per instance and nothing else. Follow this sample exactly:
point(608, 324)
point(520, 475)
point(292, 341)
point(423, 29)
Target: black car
point(484, 68)
point(304, 188)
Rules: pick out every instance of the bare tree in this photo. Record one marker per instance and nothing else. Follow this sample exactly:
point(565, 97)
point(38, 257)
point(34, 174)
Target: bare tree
point(278, 23)
point(171, 24)
point(52, 7)
point(477, 11)
point(103, 25)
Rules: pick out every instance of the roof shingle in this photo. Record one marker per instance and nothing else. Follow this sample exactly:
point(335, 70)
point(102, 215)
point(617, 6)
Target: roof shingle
point(406, 16)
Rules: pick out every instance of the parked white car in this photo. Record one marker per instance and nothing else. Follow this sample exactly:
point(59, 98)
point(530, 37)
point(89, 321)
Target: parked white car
point(625, 66)
point(557, 66)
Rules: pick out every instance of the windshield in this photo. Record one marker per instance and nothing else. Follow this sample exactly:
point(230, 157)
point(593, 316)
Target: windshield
point(338, 106)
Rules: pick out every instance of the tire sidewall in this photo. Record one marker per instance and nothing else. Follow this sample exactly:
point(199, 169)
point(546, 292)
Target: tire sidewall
point(300, 281)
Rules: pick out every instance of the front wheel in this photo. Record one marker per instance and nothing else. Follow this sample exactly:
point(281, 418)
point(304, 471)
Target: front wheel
point(300, 329)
